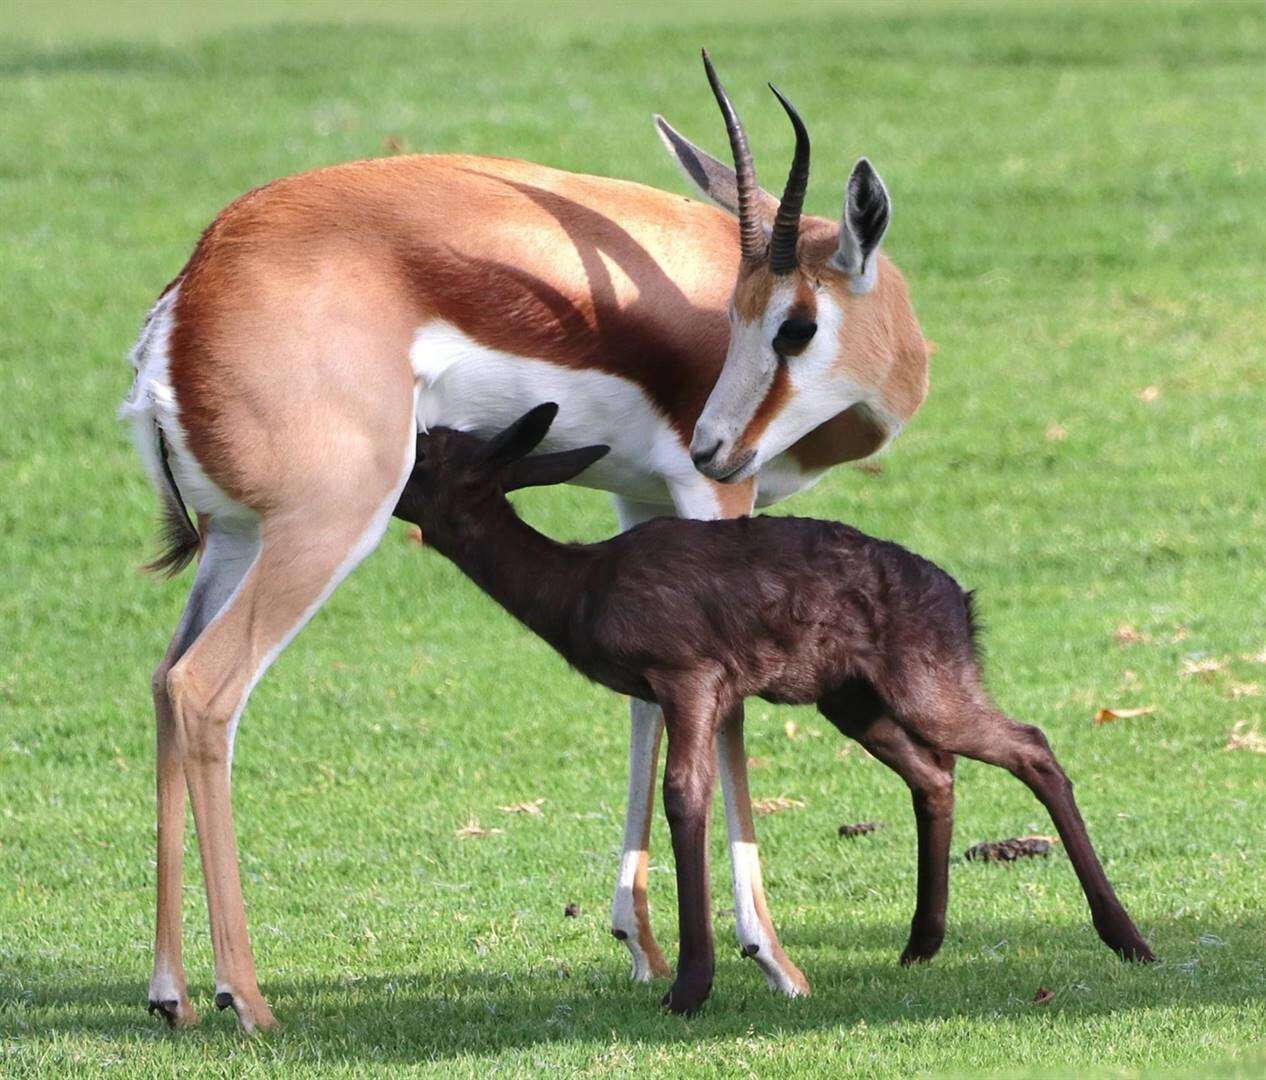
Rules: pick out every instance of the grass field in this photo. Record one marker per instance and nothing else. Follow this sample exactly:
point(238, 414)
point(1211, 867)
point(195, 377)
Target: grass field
point(1080, 206)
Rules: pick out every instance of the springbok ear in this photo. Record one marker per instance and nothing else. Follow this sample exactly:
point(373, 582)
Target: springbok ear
point(713, 179)
point(547, 469)
point(521, 437)
point(867, 211)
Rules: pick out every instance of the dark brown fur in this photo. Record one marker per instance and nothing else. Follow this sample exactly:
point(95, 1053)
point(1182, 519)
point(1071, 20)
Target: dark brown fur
point(697, 616)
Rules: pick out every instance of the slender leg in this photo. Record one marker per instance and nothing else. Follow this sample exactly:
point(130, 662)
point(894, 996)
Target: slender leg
point(689, 775)
point(986, 734)
point(756, 934)
point(208, 689)
point(226, 557)
point(929, 773)
point(757, 937)
point(630, 914)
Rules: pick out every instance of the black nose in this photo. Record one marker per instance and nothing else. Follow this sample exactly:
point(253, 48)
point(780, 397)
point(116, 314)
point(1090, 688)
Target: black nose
point(702, 457)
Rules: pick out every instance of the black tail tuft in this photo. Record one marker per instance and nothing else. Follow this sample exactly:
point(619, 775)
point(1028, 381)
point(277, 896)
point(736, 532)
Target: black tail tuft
point(180, 539)
point(973, 625)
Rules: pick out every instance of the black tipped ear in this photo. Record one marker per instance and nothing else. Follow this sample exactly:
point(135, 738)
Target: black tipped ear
point(521, 437)
point(713, 179)
point(551, 468)
point(867, 212)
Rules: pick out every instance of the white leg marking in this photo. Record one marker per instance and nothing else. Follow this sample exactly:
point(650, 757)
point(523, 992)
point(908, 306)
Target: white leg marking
point(645, 726)
point(753, 935)
point(646, 723)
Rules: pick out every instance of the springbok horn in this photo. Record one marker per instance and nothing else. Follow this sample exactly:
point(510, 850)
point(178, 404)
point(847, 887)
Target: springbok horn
point(751, 235)
point(782, 244)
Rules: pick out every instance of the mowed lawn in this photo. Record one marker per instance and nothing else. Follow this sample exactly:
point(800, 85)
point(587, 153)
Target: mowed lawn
point(1080, 207)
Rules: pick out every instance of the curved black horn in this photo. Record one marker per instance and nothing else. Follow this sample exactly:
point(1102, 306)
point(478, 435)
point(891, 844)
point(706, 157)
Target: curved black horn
point(751, 236)
point(782, 245)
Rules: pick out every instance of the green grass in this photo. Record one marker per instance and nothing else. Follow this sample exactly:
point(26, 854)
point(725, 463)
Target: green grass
point(1080, 205)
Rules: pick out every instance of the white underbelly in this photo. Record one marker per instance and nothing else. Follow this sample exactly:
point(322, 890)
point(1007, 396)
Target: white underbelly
point(465, 385)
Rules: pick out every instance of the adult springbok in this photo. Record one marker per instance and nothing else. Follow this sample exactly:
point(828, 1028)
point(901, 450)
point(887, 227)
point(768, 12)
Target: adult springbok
point(324, 319)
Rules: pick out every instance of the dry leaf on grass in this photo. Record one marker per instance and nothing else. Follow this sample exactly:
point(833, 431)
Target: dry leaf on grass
point(1056, 433)
point(1106, 716)
point(1257, 657)
point(1149, 394)
point(791, 727)
point(777, 804)
point(413, 535)
point(1125, 634)
point(533, 807)
point(472, 828)
point(1043, 996)
point(1246, 689)
point(1243, 737)
point(1204, 668)
point(757, 762)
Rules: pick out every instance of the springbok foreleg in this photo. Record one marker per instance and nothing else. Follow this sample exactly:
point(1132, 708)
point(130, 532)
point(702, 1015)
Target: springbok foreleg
point(756, 934)
point(630, 912)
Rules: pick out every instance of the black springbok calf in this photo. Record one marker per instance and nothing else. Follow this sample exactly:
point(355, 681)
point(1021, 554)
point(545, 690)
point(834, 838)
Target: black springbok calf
point(698, 615)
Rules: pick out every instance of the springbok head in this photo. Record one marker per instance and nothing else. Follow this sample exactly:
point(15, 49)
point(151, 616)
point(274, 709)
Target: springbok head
point(820, 321)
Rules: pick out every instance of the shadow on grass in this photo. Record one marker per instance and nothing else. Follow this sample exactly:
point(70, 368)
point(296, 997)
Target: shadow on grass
point(443, 1014)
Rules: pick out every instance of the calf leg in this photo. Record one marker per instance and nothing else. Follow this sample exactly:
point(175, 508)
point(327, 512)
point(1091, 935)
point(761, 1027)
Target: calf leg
point(689, 776)
point(980, 731)
point(929, 774)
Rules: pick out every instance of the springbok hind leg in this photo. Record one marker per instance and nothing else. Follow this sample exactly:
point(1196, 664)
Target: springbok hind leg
point(227, 554)
point(303, 556)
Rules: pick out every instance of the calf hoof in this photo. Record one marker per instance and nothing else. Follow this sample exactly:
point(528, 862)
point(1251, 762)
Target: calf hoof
point(176, 1011)
point(1135, 952)
point(919, 950)
point(253, 1013)
point(687, 997)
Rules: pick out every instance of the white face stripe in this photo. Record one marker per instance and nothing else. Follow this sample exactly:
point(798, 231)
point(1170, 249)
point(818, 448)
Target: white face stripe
point(819, 388)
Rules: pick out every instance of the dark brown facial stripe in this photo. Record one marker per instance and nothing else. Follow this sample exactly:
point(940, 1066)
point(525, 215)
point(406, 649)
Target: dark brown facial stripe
point(779, 393)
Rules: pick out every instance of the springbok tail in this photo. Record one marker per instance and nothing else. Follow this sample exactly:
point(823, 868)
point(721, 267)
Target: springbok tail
point(180, 540)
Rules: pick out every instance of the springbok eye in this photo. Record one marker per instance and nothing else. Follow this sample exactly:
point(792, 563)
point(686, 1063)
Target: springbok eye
point(793, 335)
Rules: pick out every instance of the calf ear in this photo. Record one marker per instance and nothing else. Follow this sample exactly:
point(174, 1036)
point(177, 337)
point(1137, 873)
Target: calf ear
point(551, 468)
point(409, 505)
point(521, 437)
point(867, 211)
point(713, 179)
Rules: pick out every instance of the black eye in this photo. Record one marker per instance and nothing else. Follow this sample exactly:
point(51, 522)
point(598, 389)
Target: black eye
point(794, 335)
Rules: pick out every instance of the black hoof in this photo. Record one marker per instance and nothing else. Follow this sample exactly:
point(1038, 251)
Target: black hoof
point(686, 1000)
point(224, 1000)
point(170, 1010)
point(919, 954)
point(751, 950)
point(620, 935)
point(1136, 952)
